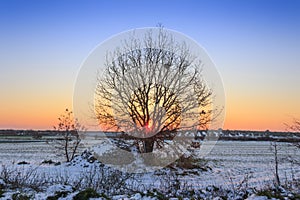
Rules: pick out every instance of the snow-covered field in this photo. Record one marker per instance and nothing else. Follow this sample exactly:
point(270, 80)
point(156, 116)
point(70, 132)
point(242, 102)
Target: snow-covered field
point(234, 159)
point(232, 164)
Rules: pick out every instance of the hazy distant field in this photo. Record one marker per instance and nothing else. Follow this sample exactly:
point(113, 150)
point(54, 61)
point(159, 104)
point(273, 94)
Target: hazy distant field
point(34, 152)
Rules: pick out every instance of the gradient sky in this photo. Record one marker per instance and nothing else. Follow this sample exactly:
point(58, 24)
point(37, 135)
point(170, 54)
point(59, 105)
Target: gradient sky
point(255, 45)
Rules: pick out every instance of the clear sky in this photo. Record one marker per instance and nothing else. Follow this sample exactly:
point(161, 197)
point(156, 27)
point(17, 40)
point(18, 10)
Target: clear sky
point(255, 45)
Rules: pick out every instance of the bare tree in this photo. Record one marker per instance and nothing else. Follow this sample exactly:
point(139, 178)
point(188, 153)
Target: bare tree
point(295, 127)
point(152, 89)
point(276, 163)
point(68, 128)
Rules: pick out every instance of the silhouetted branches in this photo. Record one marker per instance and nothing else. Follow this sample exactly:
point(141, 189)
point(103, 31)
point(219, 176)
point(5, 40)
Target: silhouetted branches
point(295, 127)
point(151, 89)
point(68, 128)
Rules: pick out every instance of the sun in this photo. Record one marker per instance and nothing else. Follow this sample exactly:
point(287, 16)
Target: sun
point(150, 124)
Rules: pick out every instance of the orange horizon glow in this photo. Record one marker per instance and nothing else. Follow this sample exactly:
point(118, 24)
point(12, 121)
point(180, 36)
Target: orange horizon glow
point(40, 120)
point(35, 114)
point(242, 112)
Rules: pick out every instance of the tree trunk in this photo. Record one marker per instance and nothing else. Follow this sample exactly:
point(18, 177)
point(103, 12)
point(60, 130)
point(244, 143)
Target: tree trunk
point(66, 147)
point(276, 165)
point(148, 145)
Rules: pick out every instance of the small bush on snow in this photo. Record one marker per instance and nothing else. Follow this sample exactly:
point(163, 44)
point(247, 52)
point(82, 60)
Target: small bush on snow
point(1, 193)
point(19, 196)
point(270, 194)
point(58, 195)
point(86, 194)
point(18, 177)
point(190, 162)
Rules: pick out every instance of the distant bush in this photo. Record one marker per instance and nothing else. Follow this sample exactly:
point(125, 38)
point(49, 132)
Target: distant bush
point(23, 163)
point(48, 162)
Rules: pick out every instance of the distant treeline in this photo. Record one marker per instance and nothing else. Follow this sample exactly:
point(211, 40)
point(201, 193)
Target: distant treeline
point(12, 132)
point(221, 134)
point(266, 133)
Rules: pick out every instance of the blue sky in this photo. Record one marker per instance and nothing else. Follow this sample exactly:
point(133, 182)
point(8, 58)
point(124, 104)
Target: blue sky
point(254, 43)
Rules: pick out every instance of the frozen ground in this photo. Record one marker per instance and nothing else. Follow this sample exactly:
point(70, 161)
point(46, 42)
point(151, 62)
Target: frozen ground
point(231, 163)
